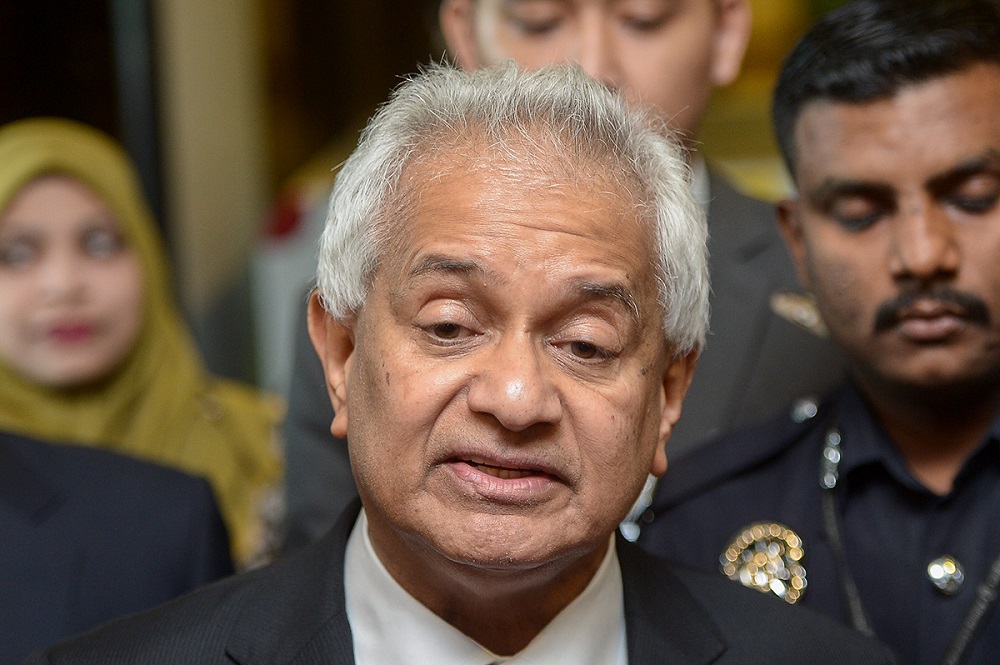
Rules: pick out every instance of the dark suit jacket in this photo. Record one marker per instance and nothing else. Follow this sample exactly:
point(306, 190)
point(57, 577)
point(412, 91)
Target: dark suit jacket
point(293, 612)
point(87, 536)
point(755, 364)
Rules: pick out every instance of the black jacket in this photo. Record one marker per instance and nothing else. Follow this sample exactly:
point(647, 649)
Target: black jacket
point(293, 612)
point(87, 536)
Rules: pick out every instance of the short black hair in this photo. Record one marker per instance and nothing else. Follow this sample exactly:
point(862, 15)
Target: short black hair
point(869, 49)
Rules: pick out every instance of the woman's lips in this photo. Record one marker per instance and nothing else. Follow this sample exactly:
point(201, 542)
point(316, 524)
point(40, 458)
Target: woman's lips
point(71, 333)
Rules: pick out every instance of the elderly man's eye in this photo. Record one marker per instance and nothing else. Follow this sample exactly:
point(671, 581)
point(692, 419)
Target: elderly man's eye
point(584, 350)
point(446, 330)
point(589, 351)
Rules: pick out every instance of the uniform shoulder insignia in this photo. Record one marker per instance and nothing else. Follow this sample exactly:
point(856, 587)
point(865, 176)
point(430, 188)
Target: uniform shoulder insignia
point(800, 309)
point(767, 556)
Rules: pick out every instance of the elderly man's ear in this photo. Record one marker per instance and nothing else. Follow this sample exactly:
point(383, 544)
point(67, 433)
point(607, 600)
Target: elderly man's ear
point(676, 381)
point(334, 344)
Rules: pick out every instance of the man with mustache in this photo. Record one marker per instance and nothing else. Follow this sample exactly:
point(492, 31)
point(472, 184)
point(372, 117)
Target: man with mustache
point(881, 505)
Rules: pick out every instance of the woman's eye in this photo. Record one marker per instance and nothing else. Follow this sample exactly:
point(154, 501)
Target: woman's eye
point(102, 243)
point(18, 253)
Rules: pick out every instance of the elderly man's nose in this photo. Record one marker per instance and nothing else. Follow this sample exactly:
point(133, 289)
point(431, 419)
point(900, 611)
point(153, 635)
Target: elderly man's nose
point(514, 388)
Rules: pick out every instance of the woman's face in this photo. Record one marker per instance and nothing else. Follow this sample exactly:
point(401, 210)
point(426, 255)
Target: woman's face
point(71, 289)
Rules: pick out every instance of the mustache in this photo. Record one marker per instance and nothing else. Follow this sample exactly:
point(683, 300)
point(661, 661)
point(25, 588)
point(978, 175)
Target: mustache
point(971, 307)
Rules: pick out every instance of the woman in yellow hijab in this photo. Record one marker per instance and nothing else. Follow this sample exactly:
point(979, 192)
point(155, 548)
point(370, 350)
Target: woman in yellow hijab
point(92, 347)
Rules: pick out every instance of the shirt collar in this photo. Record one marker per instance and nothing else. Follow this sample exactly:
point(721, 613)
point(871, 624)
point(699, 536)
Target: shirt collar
point(865, 443)
point(391, 626)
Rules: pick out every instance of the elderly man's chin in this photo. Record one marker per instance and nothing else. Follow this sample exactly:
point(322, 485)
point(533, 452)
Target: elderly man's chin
point(501, 544)
point(487, 536)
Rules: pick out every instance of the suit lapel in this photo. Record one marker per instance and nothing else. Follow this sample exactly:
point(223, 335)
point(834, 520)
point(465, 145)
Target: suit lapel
point(299, 615)
point(300, 618)
point(664, 623)
point(22, 489)
point(33, 551)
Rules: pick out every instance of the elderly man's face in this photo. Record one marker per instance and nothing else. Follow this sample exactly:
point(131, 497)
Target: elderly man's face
point(508, 386)
point(667, 53)
point(897, 230)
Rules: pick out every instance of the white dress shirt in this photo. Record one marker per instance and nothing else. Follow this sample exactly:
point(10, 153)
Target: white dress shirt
point(391, 626)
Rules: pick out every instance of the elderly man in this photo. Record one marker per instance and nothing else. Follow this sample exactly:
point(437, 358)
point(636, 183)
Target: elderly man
point(507, 377)
point(883, 505)
point(669, 56)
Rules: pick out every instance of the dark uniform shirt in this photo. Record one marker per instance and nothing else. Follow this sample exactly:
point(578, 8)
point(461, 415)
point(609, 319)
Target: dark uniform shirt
point(892, 527)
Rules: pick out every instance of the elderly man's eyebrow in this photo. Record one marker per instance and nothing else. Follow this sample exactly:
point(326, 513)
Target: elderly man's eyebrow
point(615, 292)
point(437, 263)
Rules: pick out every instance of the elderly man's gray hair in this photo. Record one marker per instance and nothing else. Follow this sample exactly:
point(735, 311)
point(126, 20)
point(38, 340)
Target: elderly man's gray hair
point(551, 115)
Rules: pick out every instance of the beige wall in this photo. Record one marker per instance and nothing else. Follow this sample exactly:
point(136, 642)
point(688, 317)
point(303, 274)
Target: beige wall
point(213, 133)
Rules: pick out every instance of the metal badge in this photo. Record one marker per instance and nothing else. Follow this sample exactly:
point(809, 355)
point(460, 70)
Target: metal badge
point(946, 574)
point(767, 557)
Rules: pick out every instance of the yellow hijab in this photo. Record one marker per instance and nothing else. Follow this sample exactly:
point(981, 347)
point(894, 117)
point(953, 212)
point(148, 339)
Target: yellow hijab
point(161, 404)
